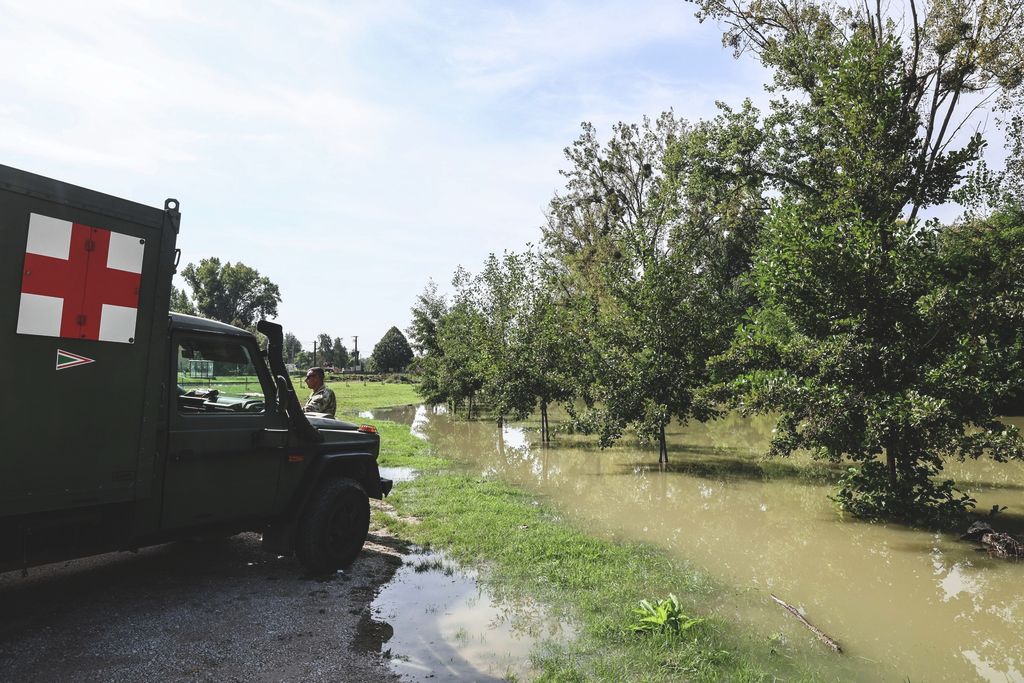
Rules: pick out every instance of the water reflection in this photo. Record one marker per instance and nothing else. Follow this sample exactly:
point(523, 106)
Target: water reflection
point(903, 602)
point(449, 628)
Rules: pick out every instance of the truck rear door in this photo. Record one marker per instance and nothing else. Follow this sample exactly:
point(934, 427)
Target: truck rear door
point(84, 281)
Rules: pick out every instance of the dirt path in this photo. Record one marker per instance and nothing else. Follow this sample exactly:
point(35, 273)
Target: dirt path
point(198, 611)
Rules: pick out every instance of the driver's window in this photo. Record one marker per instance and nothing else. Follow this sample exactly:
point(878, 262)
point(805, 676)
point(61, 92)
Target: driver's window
point(218, 376)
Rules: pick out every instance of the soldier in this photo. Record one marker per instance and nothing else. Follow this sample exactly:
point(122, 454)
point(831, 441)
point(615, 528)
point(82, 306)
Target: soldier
point(322, 399)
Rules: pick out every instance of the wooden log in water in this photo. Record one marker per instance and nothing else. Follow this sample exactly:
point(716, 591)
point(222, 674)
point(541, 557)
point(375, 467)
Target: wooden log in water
point(822, 636)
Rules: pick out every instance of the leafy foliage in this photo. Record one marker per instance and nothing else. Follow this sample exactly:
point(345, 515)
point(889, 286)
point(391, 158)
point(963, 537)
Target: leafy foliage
point(392, 353)
point(663, 616)
point(231, 293)
point(292, 347)
point(778, 263)
point(647, 242)
point(876, 334)
point(180, 303)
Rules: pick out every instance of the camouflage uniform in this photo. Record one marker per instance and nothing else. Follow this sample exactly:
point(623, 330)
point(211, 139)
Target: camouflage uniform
point(322, 401)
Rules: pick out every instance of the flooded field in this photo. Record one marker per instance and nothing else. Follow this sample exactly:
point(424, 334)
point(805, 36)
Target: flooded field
point(904, 603)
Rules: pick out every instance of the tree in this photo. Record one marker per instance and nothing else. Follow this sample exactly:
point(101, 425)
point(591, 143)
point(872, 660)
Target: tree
point(392, 353)
point(430, 307)
point(339, 354)
point(292, 347)
point(324, 349)
point(935, 66)
point(856, 345)
point(180, 303)
point(452, 367)
point(527, 357)
point(647, 241)
point(231, 293)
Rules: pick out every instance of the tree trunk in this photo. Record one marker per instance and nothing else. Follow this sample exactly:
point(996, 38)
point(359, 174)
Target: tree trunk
point(662, 447)
point(544, 423)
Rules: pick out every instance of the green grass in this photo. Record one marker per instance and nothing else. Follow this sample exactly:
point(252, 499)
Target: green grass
point(530, 554)
point(356, 396)
point(399, 448)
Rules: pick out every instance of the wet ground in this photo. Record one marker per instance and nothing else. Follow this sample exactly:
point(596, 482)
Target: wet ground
point(194, 611)
point(223, 610)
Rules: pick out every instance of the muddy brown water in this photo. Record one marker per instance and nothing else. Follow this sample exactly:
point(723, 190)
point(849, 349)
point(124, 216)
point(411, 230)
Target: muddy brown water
point(905, 604)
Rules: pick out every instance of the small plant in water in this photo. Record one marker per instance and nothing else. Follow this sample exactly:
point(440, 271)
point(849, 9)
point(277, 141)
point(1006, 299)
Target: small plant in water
point(662, 615)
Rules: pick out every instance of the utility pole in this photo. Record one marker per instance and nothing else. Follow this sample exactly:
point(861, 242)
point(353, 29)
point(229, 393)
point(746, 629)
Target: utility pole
point(314, 354)
point(355, 349)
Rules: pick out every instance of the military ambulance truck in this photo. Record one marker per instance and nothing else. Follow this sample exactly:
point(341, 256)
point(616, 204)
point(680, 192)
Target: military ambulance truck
point(102, 447)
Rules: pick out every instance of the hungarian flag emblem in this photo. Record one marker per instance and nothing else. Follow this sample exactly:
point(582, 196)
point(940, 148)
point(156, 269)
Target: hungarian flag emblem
point(79, 282)
point(66, 359)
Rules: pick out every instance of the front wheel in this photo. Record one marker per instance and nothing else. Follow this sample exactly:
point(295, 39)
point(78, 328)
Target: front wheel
point(334, 525)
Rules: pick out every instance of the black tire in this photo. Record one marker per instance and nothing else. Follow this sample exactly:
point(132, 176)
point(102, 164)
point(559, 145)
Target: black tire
point(333, 527)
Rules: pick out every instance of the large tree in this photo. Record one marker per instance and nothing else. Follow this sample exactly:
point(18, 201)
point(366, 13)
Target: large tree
point(392, 353)
point(854, 346)
point(647, 240)
point(232, 293)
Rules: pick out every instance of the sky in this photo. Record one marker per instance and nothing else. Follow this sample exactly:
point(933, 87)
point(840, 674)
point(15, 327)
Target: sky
point(350, 152)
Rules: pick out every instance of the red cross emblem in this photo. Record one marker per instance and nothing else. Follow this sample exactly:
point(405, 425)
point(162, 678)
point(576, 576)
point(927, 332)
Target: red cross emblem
point(79, 281)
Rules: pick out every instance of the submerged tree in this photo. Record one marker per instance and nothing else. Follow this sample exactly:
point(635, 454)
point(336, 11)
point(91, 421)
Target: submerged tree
point(648, 239)
point(524, 346)
point(855, 345)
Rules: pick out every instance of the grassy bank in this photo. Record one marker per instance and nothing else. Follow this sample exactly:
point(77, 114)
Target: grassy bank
point(532, 555)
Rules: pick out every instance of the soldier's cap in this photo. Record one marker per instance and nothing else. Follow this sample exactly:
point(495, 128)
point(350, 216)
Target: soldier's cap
point(318, 371)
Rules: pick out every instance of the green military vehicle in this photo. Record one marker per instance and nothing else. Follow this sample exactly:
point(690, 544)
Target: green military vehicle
point(103, 447)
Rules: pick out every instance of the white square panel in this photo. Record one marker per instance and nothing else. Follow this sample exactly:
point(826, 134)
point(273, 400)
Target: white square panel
point(40, 315)
point(48, 236)
point(117, 323)
point(125, 253)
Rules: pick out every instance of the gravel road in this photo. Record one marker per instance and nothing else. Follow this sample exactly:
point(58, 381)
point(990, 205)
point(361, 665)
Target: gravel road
point(219, 610)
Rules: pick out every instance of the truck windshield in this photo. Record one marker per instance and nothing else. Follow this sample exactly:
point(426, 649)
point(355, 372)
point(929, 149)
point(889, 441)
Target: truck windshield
point(216, 375)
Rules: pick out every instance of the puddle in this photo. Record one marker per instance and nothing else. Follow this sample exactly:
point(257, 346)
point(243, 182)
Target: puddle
point(398, 474)
point(436, 623)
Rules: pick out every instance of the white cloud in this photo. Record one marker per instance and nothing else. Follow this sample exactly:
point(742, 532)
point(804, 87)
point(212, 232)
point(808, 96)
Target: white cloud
point(349, 151)
point(503, 48)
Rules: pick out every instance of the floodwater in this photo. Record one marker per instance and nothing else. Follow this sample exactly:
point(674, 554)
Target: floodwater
point(446, 626)
point(905, 604)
